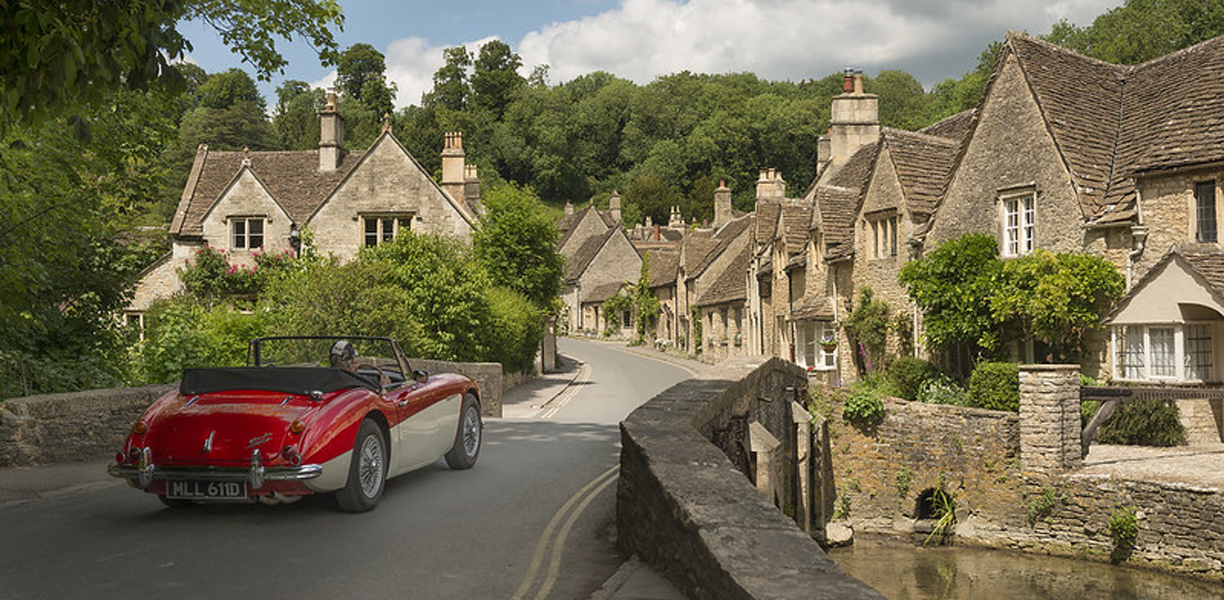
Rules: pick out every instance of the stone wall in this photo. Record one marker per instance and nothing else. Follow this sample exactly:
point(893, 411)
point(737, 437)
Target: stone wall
point(90, 425)
point(1015, 480)
point(70, 427)
point(684, 508)
point(486, 375)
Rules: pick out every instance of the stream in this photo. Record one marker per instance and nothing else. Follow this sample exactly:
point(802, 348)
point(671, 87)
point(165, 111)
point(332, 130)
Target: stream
point(903, 571)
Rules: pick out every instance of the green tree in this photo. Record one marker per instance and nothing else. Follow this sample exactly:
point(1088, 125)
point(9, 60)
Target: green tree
point(496, 82)
point(228, 88)
point(1141, 30)
point(450, 82)
point(62, 55)
point(1058, 298)
point(295, 120)
point(953, 286)
point(653, 197)
point(516, 243)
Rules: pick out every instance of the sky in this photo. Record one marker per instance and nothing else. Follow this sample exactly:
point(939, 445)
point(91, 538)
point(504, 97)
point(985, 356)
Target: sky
point(640, 40)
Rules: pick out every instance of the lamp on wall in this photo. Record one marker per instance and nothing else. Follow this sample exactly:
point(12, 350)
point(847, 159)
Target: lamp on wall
point(295, 238)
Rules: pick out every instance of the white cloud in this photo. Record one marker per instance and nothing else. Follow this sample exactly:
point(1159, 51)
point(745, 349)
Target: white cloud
point(776, 39)
point(411, 63)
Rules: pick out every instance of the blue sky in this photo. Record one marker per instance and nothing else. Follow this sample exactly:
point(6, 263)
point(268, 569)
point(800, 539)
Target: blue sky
point(643, 39)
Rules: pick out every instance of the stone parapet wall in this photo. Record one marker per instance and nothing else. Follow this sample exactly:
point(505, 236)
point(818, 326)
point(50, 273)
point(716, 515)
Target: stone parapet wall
point(69, 427)
point(685, 509)
point(90, 425)
point(486, 375)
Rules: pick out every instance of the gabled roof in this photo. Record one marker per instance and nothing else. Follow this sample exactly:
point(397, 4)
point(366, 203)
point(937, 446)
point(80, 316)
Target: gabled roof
point(813, 308)
point(840, 198)
point(923, 163)
point(664, 264)
point(731, 285)
point(796, 218)
point(723, 237)
point(693, 250)
point(1207, 267)
point(602, 292)
point(587, 252)
point(955, 127)
point(569, 223)
point(767, 211)
point(293, 179)
point(1112, 122)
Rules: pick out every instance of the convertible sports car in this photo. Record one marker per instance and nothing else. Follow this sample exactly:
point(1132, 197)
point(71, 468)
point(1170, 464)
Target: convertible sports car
point(308, 415)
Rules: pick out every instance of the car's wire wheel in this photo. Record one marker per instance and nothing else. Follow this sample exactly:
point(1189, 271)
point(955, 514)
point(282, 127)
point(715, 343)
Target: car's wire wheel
point(471, 431)
point(370, 469)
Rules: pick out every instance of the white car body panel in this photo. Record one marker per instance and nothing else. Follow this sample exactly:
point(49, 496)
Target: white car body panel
point(425, 436)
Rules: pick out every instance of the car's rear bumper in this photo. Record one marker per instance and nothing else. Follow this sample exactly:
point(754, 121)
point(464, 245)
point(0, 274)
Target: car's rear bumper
point(145, 472)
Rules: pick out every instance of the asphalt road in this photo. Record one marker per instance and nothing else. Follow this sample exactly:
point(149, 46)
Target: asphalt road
point(533, 519)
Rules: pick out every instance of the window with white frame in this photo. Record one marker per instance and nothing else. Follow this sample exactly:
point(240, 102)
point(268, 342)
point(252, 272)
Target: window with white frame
point(883, 234)
point(383, 228)
point(812, 354)
point(1018, 224)
point(246, 233)
point(1173, 352)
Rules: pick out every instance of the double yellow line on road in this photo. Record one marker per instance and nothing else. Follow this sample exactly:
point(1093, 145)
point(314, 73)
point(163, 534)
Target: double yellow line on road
point(552, 546)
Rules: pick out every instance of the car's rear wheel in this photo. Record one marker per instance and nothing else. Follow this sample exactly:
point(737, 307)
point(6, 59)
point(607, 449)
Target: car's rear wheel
point(466, 450)
point(367, 471)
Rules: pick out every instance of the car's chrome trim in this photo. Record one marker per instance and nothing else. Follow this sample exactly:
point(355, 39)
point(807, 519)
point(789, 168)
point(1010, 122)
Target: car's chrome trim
point(162, 473)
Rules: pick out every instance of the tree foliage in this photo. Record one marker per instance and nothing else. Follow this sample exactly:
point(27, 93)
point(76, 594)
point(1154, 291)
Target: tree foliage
point(1141, 30)
point(868, 326)
point(515, 242)
point(953, 286)
point(59, 56)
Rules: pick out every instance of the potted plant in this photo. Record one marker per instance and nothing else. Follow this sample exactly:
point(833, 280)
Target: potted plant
point(828, 342)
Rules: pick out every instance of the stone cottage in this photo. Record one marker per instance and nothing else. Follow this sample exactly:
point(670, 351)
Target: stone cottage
point(245, 203)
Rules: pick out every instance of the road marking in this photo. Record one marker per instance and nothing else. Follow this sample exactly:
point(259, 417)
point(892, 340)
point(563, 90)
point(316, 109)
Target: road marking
point(581, 498)
point(559, 402)
point(554, 564)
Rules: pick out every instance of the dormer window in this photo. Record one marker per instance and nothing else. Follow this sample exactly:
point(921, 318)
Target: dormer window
point(1019, 216)
point(1205, 212)
point(246, 233)
point(383, 228)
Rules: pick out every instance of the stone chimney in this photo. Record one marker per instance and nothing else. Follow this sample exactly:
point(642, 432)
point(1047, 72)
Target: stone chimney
point(331, 135)
point(722, 203)
point(855, 121)
point(770, 185)
point(676, 221)
point(823, 153)
point(569, 208)
point(614, 206)
point(454, 172)
point(471, 188)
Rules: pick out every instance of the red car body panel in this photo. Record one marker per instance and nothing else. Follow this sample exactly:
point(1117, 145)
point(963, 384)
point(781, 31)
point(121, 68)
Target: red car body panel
point(219, 431)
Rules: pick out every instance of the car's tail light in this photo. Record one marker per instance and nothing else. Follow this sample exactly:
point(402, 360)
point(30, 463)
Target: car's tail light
point(140, 428)
point(119, 456)
point(290, 454)
point(297, 427)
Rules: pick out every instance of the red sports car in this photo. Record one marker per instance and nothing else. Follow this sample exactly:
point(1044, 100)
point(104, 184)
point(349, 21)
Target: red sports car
point(309, 415)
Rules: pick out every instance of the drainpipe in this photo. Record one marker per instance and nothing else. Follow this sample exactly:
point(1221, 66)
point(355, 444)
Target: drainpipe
point(1139, 235)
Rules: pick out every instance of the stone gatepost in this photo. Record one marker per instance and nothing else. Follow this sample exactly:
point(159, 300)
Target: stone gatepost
point(1049, 418)
point(803, 446)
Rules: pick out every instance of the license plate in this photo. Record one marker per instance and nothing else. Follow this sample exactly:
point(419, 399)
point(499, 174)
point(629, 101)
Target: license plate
point(206, 490)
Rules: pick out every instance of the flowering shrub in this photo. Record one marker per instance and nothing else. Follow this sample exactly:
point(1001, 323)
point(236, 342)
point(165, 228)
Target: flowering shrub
point(211, 277)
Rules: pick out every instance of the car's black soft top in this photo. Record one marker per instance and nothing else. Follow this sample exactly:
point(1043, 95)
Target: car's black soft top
point(292, 380)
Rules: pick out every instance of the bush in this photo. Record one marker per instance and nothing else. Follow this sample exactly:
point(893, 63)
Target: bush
point(995, 386)
point(864, 406)
point(519, 326)
point(908, 374)
point(1144, 423)
point(942, 389)
point(181, 333)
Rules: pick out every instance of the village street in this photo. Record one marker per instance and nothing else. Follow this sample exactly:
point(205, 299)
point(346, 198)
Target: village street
point(533, 519)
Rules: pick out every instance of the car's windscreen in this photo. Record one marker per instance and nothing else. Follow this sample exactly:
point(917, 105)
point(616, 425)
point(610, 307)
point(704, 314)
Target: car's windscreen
point(372, 357)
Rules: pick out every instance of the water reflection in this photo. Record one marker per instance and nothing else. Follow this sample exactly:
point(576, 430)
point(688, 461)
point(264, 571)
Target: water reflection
point(904, 572)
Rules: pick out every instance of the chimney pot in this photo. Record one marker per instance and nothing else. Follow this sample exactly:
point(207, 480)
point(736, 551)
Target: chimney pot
point(848, 80)
point(858, 82)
